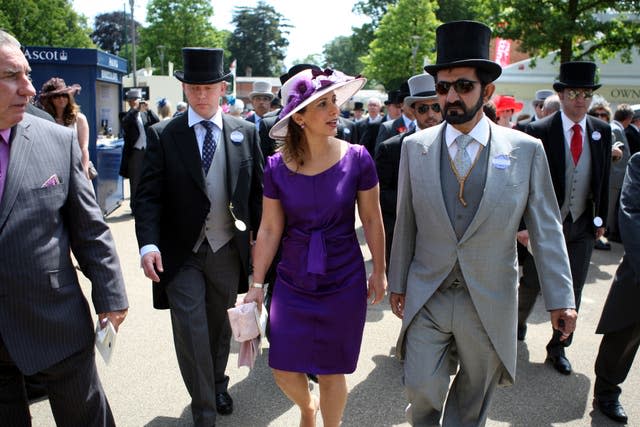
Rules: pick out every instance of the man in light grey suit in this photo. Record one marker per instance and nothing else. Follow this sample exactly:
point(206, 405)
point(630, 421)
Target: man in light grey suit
point(463, 187)
point(47, 210)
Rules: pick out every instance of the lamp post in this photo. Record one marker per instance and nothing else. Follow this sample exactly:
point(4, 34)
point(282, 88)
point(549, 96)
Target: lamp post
point(414, 51)
point(160, 49)
point(133, 45)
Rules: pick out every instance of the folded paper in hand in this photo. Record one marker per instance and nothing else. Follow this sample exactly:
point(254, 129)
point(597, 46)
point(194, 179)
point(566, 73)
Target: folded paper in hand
point(105, 340)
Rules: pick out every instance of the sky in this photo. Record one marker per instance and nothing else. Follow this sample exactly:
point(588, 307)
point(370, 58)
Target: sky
point(315, 24)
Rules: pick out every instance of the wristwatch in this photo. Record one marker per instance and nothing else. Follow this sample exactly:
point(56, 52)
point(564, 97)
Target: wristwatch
point(258, 285)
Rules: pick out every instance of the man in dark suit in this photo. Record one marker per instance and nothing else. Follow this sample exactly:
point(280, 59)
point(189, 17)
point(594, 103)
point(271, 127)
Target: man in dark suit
point(422, 102)
point(134, 125)
point(578, 149)
point(399, 124)
point(200, 199)
point(347, 130)
point(47, 211)
point(633, 133)
point(368, 127)
point(620, 320)
point(261, 97)
point(537, 104)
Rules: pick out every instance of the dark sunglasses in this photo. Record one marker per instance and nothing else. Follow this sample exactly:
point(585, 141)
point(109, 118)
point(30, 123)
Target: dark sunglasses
point(460, 86)
point(605, 115)
point(60, 95)
point(422, 109)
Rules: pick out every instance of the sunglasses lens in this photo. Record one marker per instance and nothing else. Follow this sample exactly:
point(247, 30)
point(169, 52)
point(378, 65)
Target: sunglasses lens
point(463, 86)
point(442, 88)
point(435, 108)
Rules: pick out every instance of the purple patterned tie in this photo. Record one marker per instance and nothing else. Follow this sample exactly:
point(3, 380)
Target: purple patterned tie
point(208, 147)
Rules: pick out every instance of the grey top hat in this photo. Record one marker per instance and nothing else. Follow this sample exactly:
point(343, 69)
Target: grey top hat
point(261, 88)
point(578, 74)
point(543, 94)
point(464, 44)
point(133, 94)
point(421, 88)
point(201, 66)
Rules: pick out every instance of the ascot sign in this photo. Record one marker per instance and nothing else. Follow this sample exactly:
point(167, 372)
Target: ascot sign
point(46, 55)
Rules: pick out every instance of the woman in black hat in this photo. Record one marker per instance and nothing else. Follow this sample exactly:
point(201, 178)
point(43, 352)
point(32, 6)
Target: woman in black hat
point(58, 100)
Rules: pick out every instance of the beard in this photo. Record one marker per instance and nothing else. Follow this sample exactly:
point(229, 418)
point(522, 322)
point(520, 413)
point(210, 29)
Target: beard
point(452, 116)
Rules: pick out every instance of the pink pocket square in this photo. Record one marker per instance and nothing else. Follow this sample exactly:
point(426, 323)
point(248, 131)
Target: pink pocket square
point(52, 181)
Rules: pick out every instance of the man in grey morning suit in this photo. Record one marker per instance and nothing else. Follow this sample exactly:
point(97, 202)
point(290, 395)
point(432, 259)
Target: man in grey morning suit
point(202, 173)
point(463, 187)
point(47, 210)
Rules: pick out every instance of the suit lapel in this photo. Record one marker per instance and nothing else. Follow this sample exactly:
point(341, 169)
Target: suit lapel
point(184, 139)
point(594, 146)
point(494, 187)
point(21, 145)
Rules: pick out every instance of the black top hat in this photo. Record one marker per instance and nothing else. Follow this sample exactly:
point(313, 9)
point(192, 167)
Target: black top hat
point(202, 66)
point(358, 106)
point(464, 44)
point(578, 74)
point(395, 97)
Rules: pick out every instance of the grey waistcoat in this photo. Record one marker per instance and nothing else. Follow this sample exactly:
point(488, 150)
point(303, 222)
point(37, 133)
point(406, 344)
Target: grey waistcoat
point(218, 227)
point(577, 183)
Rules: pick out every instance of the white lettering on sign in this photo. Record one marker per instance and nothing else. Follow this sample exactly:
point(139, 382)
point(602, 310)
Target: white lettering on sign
point(46, 55)
point(108, 75)
point(113, 62)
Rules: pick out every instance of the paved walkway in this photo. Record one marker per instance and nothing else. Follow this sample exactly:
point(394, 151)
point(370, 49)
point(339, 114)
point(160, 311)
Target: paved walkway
point(144, 386)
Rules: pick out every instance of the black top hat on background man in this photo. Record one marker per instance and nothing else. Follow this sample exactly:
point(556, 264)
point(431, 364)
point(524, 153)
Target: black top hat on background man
point(358, 106)
point(202, 66)
point(395, 96)
point(577, 74)
point(464, 44)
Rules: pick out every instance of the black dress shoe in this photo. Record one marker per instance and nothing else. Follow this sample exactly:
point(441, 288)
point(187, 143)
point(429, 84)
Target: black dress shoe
point(522, 331)
point(612, 409)
point(560, 363)
point(224, 403)
point(603, 246)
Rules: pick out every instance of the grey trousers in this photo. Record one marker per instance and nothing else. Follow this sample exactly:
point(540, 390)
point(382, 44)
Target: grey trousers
point(199, 296)
point(448, 328)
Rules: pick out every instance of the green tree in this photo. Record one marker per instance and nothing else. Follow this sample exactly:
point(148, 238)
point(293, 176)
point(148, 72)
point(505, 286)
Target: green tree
point(475, 10)
point(175, 24)
point(112, 31)
point(405, 36)
point(259, 40)
point(341, 54)
point(579, 29)
point(45, 23)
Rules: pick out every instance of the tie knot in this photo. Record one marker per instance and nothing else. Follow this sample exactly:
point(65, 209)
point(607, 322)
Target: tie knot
point(463, 140)
point(207, 125)
point(577, 128)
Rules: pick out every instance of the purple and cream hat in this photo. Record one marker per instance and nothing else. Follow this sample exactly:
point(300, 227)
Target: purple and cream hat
point(308, 85)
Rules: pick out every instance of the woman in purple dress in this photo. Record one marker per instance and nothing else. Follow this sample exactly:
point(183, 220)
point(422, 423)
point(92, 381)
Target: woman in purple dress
point(311, 187)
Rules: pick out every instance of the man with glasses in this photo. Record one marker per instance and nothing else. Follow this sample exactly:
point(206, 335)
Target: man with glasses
point(423, 103)
point(462, 188)
point(578, 149)
point(537, 104)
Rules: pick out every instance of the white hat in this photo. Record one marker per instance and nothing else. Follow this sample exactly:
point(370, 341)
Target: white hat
point(422, 88)
point(261, 88)
point(309, 85)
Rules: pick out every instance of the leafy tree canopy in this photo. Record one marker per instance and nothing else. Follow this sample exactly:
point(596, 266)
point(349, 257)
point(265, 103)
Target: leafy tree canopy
point(112, 31)
point(341, 54)
point(259, 41)
point(405, 37)
point(175, 24)
point(45, 23)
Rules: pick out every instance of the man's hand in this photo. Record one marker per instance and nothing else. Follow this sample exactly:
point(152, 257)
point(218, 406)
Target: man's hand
point(600, 232)
point(616, 154)
point(397, 304)
point(564, 320)
point(115, 317)
point(151, 264)
point(523, 237)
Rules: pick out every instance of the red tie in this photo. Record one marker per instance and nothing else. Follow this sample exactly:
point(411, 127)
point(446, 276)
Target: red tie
point(576, 143)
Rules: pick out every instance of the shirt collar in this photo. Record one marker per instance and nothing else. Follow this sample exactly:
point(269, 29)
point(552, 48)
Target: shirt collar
point(195, 118)
point(6, 134)
point(480, 132)
point(567, 123)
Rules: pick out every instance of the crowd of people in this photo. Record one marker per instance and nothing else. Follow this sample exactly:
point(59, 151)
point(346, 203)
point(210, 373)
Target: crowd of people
point(453, 194)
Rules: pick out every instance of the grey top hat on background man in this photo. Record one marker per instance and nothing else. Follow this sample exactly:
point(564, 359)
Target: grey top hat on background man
point(421, 88)
point(133, 94)
point(541, 95)
point(576, 74)
point(261, 88)
point(202, 66)
point(464, 44)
